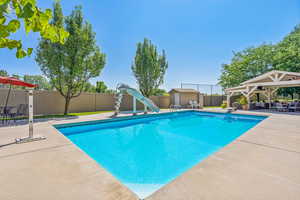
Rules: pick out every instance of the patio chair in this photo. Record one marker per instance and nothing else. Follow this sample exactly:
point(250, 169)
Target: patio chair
point(196, 104)
point(175, 107)
point(191, 104)
point(294, 107)
point(280, 107)
point(20, 112)
point(236, 106)
point(2, 114)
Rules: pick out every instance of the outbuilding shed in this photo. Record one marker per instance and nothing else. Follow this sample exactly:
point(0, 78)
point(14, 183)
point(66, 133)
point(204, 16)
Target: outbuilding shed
point(182, 96)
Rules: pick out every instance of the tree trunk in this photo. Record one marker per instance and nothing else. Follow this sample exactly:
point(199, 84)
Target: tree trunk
point(257, 97)
point(67, 103)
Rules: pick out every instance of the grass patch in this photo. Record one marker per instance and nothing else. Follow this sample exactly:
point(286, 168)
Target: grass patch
point(89, 113)
point(62, 115)
point(212, 106)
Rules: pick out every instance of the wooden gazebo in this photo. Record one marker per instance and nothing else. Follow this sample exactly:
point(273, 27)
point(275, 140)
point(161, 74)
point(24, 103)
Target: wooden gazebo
point(266, 84)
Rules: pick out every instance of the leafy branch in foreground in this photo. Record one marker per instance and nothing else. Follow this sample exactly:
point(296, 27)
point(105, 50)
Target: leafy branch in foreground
point(14, 12)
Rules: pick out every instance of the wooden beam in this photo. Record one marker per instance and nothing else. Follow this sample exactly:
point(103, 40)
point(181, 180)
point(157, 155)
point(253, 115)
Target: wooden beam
point(281, 77)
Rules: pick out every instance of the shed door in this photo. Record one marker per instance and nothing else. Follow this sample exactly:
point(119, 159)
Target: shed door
point(177, 98)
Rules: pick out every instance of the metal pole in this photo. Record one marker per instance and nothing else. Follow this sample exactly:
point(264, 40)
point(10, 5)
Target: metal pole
point(30, 113)
point(211, 90)
point(30, 138)
point(7, 97)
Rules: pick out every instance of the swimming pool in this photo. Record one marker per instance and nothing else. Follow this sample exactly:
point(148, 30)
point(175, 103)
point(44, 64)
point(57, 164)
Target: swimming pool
point(147, 152)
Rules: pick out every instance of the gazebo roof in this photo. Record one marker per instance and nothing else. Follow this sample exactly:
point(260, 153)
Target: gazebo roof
point(273, 80)
point(270, 76)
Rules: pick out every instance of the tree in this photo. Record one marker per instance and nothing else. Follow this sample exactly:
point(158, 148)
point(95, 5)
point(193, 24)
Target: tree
point(101, 87)
point(149, 67)
point(69, 66)
point(288, 52)
point(41, 82)
point(88, 87)
point(288, 58)
point(254, 61)
point(159, 92)
point(13, 12)
point(247, 64)
point(3, 72)
point(111, 91)
point(17, 76)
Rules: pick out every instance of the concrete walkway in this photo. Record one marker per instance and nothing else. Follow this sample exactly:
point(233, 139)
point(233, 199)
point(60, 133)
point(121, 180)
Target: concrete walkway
point(263, 163)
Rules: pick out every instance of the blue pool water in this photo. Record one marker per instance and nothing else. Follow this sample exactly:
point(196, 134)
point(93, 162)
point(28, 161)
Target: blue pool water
point(146, 153)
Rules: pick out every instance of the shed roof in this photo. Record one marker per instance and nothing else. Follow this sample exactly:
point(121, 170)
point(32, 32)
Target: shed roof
point(183, 90)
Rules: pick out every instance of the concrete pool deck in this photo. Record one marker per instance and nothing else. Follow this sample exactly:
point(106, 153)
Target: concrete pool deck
point(264, 163)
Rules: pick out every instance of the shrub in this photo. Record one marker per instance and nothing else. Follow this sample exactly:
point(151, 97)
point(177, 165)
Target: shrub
point(224, 105)
point(243, 100)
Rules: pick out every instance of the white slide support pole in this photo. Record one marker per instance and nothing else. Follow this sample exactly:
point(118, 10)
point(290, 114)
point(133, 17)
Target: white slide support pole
point(134, 105)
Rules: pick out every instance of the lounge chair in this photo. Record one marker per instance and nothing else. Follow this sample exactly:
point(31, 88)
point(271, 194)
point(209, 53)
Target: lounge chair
point(280, 107)
point(175, 107)
point(191, 104)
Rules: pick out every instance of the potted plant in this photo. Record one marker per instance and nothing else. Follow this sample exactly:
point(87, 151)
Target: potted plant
point(244, 103)
point(224, 105)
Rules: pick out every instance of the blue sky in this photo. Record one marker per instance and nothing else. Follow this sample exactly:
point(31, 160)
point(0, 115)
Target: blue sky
point(198, 36)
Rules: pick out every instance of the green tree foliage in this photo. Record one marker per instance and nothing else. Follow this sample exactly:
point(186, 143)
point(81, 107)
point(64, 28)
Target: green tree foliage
point(17, 76)
point(247, 64)
point(41, 82)
point(14, 12)
point(90, 88)
point(254, 61)
point(288, 52)
point(3, 73)
point(160, 92)
point(101, 87)
point(69, 66)
point(149, 67)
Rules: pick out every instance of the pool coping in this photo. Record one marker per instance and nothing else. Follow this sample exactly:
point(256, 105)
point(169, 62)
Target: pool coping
point(126, 118)
point(182, 187)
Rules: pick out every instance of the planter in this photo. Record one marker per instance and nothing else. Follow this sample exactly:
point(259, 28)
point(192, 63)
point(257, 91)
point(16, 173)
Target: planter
point(245, 107)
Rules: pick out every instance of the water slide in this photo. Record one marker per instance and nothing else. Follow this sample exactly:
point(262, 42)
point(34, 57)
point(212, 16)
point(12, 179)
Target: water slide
point(135, 93)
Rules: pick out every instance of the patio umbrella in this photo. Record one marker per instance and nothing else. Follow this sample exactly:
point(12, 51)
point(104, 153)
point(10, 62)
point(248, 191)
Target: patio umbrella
point(13, 81)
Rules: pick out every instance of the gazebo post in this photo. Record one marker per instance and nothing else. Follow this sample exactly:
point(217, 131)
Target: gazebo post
point(228, 99)
point(248, 101)
point(269, 94)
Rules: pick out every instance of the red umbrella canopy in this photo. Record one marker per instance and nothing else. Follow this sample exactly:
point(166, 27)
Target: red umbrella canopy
point(15, 81)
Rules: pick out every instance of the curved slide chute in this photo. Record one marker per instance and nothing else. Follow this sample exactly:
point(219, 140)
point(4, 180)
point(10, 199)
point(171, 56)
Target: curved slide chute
point(123, 88)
